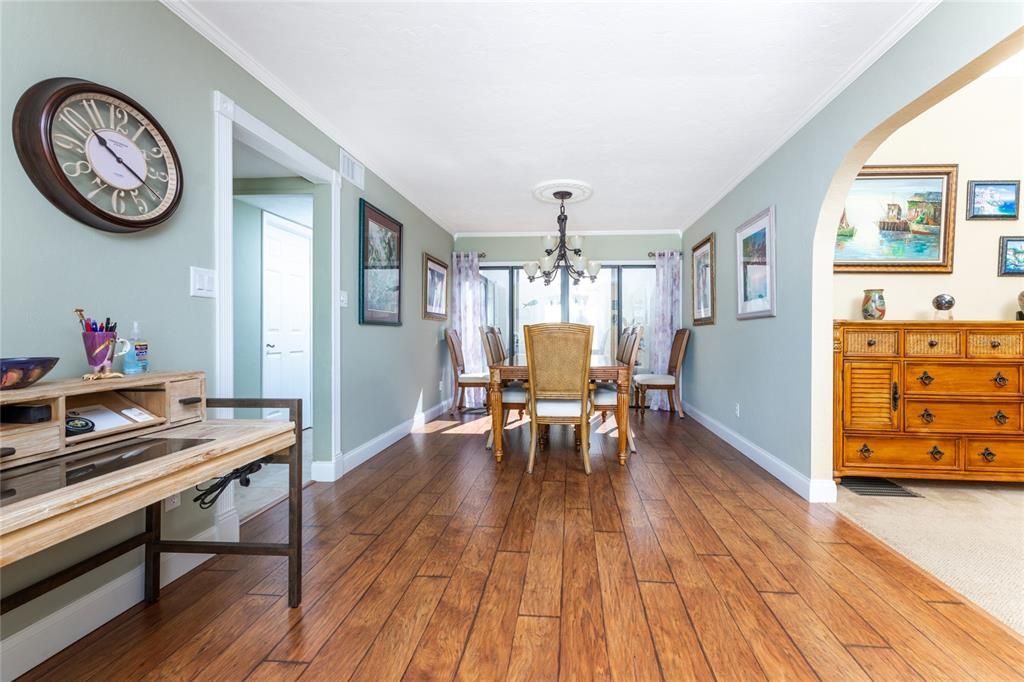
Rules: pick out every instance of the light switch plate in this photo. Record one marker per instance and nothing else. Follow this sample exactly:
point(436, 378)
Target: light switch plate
point(343, 299)
point(202, 282)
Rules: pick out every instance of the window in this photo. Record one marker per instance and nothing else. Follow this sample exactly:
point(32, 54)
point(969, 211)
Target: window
point(623, 295)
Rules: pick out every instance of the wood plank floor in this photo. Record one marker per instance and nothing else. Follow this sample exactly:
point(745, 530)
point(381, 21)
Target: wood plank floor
point(431, 562)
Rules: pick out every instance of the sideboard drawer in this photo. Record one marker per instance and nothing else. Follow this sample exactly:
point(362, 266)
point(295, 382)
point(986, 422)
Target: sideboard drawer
point(900, 453)
point(866, 342)
point(185, 399)
point(994, 455)
point(21, 441)
point(976, 378)
point(982, 344)
point(932, 343)
point(933, 416)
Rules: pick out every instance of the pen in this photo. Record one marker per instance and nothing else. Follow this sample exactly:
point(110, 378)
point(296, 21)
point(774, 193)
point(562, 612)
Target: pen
point(107, 325)
point(94, 326)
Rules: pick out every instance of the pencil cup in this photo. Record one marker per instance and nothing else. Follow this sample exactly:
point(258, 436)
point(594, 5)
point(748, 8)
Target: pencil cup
point(100, 350)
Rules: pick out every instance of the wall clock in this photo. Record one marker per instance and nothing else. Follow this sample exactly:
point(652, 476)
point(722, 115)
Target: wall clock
point(97, 155)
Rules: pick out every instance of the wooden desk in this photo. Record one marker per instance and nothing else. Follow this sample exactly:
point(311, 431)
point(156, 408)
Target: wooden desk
point(46, 505)
point(602, 368)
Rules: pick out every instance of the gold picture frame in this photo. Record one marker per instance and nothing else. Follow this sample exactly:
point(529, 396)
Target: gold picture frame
point(702, 280)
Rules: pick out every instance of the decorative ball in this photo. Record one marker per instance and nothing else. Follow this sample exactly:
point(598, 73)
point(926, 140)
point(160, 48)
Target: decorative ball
point(943, 302)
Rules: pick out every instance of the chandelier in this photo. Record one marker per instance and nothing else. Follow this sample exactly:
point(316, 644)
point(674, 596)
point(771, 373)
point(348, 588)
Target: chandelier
point(566, 253)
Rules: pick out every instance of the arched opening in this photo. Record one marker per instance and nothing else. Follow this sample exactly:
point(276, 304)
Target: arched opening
point(822, 398)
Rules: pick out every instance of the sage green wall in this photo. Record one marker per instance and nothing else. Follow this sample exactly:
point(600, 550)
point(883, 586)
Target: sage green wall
point(247, 290)
point(617, 247)
point(50, 264)
point(765, 364)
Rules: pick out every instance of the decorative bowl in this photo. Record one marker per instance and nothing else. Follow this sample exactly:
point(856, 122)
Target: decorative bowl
point(22, 372)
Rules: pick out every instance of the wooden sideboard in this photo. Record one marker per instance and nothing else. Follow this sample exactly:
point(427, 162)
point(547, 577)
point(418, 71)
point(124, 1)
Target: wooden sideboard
point(929, 399)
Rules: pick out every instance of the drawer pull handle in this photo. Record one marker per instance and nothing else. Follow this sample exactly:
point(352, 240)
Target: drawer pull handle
point(1000, 417)
point(1000, 380)
point(936, 453)
point(865, 451)
point(190, 401)
point(987, 454)
point(7, 492)
point(871, 343)
point(994, 343)
point(927, 417)
point(926, 378)
point(7, 452)
point(932, 343)
point(895, 396)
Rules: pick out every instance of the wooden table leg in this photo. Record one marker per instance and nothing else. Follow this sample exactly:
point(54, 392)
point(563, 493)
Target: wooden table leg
point(152, 561)
point(494, 396)
point(622, 419)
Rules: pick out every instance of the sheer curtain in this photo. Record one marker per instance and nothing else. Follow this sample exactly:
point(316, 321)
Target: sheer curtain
point(668, 267)
point(468, 315)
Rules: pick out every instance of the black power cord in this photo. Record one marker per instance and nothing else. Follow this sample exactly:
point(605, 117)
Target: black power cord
point(207, 496)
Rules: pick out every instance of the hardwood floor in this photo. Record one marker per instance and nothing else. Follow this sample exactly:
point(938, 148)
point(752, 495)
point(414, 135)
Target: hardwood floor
point(431, 562)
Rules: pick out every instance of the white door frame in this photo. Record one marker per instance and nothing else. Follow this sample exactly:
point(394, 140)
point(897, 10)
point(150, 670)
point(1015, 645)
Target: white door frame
point(233, 122)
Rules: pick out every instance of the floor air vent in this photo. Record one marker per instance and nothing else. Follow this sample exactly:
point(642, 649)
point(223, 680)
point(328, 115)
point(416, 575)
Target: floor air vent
point(876, 487)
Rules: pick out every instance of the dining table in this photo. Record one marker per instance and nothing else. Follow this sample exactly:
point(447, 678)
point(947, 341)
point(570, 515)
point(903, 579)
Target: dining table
point(603, 368)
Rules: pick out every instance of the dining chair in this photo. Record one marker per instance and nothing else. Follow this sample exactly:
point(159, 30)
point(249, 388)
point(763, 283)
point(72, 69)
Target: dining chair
point(461, 380)
point(558, 365)
point(513, 394)
point(621, 349)
point(605, 396)
point(665, 382)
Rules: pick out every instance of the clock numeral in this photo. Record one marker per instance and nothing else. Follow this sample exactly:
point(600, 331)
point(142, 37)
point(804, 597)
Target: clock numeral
point(76, 122)
point(68, 142)
point(140, 204)
point(157, 175)
point(154, 153)
point(100, 186)
point(93, 112)
point(73, 169)
point(118, 119)
point(117, 201)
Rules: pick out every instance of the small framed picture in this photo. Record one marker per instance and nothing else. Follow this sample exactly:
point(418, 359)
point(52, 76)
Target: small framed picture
point(755, 266)
point(993, 200)
point(703, 274)
point(435, 288)
point(1011, 256)
point(380, 267)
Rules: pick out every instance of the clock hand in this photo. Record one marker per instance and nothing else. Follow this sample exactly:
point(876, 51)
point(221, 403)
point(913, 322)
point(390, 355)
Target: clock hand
point(103, 143)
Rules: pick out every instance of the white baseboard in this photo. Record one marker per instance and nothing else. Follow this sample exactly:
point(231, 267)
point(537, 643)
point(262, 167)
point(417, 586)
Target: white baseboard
point(27, 648)
point(347, 461)
point(812, 490)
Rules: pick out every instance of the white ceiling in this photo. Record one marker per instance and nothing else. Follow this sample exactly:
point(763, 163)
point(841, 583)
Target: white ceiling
point(249, 163)
point(464, 107)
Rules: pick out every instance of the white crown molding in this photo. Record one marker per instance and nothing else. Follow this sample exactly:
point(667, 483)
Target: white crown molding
point(583, 233)
point(187, 12)
point(910, 19)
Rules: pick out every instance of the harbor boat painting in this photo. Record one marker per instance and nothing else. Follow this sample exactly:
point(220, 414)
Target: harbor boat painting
point(898, 218)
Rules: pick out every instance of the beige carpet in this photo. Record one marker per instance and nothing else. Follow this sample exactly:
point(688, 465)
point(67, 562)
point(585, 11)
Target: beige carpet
point(971, 536)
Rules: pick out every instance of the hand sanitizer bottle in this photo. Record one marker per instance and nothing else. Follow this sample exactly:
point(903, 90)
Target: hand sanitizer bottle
point(136, 360)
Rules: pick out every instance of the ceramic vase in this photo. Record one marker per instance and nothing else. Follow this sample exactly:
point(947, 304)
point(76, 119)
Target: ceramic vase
point(873, 307)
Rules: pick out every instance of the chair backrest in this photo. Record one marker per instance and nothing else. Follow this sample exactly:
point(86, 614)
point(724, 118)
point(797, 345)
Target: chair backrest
point(455, 351)
point(502, 346)
point(634, 348)
point(485, 339)
point(678, 352)
point(558, 360)
point(623, 343)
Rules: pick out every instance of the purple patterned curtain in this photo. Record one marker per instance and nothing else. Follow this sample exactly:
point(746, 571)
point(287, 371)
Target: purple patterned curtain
point(668, 266)
point(468, 315)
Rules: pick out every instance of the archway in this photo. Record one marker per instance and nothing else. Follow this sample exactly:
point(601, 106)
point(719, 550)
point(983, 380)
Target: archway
point(822, 398)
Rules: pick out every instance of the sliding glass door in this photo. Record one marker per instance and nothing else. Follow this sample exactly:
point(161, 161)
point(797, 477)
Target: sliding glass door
point(595, 303)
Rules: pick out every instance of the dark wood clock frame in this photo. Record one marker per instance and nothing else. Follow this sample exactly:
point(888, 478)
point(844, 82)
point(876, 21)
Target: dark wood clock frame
point(33, 117)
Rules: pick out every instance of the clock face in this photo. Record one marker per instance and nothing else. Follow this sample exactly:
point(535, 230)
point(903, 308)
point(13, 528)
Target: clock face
point(97, 155)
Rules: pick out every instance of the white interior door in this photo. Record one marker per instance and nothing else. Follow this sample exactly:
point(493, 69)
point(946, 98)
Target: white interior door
point(287, 327)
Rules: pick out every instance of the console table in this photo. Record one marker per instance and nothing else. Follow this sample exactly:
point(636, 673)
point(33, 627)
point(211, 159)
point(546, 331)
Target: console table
point(929, 399)
point(54, 487)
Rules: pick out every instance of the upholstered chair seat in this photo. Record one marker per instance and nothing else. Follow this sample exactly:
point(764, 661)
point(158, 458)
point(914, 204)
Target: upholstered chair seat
point(655, 379)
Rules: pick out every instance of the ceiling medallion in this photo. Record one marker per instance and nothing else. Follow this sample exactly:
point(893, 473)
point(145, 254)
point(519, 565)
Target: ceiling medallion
point(577, 189)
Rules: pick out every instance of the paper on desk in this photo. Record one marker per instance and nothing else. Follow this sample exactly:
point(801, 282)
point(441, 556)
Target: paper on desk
point(103, 417)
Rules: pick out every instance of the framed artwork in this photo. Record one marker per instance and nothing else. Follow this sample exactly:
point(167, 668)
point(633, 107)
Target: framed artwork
point(755, 266)
point(380, 267)
point(898, 219)
point(1011, 256)
point(435, 288)
point(703, 275)
point(993, 200)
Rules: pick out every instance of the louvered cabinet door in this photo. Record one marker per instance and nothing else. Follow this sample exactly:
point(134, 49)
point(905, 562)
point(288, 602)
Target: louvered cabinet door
point(871, 396)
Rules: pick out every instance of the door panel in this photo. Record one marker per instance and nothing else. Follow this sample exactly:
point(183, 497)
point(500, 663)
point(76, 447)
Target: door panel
point(868, 390)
